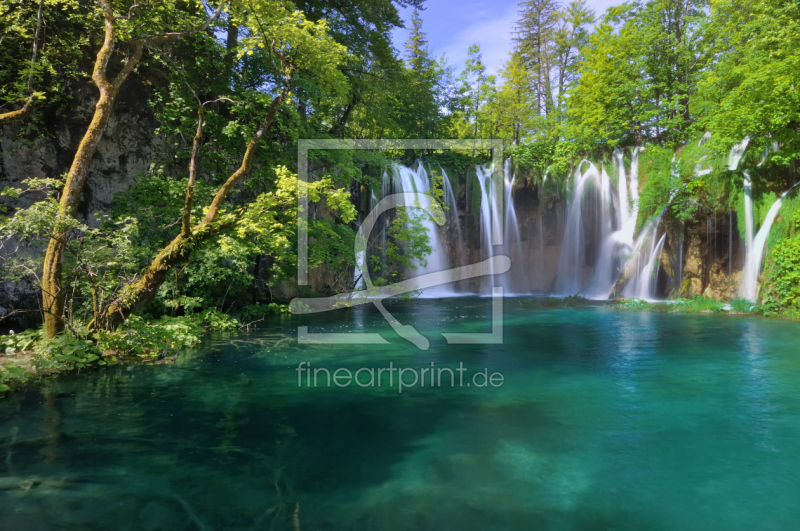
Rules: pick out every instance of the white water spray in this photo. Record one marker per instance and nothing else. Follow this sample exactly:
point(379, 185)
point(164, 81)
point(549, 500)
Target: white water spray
point(748, 285)
point(409, 180)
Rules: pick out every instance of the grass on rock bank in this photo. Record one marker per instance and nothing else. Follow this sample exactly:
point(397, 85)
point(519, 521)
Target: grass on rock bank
point(693, 305)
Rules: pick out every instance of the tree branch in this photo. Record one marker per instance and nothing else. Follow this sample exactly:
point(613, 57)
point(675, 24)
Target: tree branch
point(15, 116)
point(186, 226)
point(140, 294)
point(170, 37)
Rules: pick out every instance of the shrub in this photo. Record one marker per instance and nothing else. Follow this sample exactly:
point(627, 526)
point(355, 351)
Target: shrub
point(143, 338)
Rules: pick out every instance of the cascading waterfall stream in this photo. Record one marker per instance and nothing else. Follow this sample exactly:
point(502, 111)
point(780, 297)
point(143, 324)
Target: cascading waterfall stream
point(572, 275)
point(489, 207)
point(450, 202)
point(497, 206)
point(640, 270)
point(614, 222)
point(410, 180)
point(621, 242)
point(734, 157)
point(748, 287)
point(600, 247)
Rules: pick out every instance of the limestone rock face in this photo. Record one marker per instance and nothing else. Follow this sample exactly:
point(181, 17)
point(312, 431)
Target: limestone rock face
point(125, 152)
point(690, 287)
point(711, 258)
point(693, 267)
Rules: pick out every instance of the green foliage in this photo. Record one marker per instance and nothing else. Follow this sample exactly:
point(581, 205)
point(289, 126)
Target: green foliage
point(332, 246)
point(698, 304)
point(633, 304)
point(782, 290)
point(743, 306)
point(543, 303)
point(407, 246)
point(215, 321)
point(20, 342)
point(570, 301)
point(693, 305)
point(787, 222)
point(451, 160)
point(534, 158)
point(257, 312)
point(66, 352)
point(472, 103)
point(658, 172)
point(11, 373)
point(752, 89)
point(148, 338)
point(62, 41)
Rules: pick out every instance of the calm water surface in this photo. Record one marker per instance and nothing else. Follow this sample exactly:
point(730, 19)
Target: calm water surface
point(605, 420)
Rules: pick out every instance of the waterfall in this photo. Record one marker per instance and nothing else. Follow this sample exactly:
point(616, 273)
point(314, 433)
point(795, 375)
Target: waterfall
point(617, 247)
point(752, 266)
point(511, 227)
point(489, 207)
point(736, 153)
point(754, 246)
point(680, 259)
point(544, 180)
point(571, 278)
point(497, 211)
point(450, 202)
point(748, 213)
point(642, 283)
point(615, 243)
point(410, 180)
point(599, 245)
point(734, 157)
point(497, 206)
point(614, 225)
point(642, 273)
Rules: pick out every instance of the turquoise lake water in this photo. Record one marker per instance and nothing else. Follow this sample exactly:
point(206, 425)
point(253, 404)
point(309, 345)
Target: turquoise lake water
point(605, 419)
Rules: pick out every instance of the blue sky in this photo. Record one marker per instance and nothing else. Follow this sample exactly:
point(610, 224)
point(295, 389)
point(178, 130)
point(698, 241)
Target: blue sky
point(453, 25)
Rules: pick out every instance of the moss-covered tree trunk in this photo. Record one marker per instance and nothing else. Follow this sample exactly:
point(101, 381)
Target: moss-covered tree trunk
point(52, 290)
point(141, 293)
point(53, 295)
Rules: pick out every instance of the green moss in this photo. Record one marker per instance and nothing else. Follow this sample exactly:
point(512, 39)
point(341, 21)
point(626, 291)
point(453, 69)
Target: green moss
point(656, 179)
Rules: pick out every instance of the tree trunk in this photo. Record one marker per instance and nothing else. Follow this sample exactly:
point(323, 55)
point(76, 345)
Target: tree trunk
point(337, 129)
point(186, 224)
point(141, 293)
point(52, 292)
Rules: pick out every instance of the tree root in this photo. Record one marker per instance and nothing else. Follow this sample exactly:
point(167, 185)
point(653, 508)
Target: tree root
point(192, 514)
point(14, 483)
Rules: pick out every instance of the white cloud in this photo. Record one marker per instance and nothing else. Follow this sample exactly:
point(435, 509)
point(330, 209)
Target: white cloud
point(452, 26)
point(491, 33)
